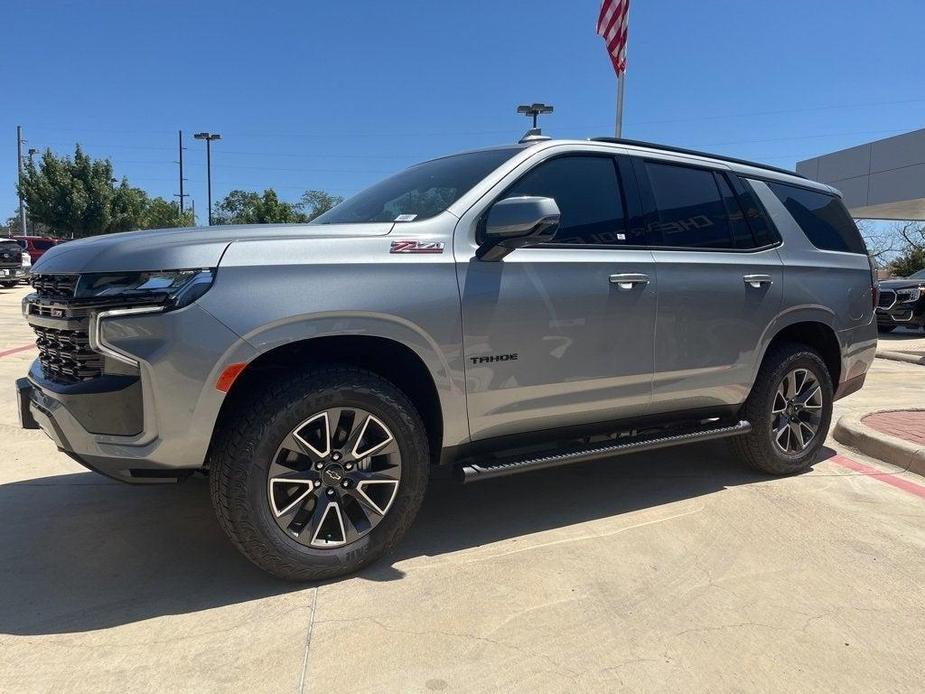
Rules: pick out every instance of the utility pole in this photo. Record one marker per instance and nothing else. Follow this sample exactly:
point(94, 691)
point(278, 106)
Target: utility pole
point(182, 195)
point(32, 152)
point(208, 137)
point(22, 207)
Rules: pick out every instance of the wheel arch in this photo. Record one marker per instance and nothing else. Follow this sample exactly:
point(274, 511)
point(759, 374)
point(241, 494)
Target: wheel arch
point(389, 358)
point(814, 331)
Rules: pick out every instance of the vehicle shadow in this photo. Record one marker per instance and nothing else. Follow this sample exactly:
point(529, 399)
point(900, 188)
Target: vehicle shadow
point(81, 553)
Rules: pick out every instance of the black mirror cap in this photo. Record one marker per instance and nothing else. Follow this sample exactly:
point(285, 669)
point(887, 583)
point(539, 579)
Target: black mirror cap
point(517, 222)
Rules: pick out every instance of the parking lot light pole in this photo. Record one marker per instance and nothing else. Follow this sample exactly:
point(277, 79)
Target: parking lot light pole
point(208, 137)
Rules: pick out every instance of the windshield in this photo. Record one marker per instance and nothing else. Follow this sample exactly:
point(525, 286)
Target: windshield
point(422, 191)
point(920, 275)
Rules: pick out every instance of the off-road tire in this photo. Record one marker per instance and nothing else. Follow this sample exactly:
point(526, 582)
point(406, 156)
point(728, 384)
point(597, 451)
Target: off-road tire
point(249, 438)
point(757, 448)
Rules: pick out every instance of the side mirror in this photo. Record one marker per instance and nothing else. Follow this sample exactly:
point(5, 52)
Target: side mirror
point(515, 223)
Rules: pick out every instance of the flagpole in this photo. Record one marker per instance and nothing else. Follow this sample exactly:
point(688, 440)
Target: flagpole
point(618, 129)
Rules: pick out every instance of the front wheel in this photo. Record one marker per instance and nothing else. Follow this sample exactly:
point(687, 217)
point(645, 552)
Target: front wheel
point(322, 474)
point(789, 408)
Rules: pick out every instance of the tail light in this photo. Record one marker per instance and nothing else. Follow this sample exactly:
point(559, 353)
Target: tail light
point(874, 283)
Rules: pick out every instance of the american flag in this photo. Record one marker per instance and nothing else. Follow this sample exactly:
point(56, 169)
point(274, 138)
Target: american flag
point(612, 27)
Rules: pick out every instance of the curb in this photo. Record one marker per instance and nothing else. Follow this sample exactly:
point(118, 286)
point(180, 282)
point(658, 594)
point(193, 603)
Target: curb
point(901, 356)
point(851, 431)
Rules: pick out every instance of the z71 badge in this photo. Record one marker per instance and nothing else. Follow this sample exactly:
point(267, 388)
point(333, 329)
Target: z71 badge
point(416, 247)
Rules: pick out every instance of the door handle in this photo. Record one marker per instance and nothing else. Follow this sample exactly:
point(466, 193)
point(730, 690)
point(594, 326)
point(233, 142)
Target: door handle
point(628, 280)
point(755, 281)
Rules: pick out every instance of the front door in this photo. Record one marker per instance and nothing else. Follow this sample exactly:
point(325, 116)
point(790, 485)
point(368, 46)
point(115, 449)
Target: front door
point(561, 334)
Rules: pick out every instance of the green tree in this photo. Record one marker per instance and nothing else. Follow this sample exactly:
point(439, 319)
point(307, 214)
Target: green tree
point(243, 207)
point(78, 196)
point(162, 214)
point(71, 195)
point(14, 228)
point(316, 202)
point(127, 208)
point(910, 261)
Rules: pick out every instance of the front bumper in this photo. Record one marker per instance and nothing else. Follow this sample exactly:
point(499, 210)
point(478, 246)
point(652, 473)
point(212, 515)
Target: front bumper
point(164, 416)
point(8, 274)
point(39, 408)
point(911, 315)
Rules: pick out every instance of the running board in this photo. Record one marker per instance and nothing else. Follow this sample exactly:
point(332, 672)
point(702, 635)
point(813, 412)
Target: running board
point(475, 472)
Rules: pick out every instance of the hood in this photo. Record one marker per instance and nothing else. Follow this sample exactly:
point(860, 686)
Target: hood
point(901, 283)
point(178, 249)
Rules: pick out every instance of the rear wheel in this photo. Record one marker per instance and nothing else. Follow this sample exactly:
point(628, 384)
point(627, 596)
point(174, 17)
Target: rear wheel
point(322, 475)
point(790, 409)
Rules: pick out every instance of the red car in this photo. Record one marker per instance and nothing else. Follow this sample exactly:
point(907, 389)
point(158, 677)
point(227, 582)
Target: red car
point(35, 246)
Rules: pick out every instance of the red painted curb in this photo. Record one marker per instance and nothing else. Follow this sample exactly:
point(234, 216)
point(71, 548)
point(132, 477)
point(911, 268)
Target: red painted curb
point(14, 350)
point(880, 475)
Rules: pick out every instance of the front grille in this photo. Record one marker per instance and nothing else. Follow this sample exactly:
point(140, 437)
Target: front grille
point(887, 298)
point(66, 355)
point(11, 256)
point(55, 286)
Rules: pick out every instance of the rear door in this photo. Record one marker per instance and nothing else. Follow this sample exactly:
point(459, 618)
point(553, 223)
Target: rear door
point(720, 284)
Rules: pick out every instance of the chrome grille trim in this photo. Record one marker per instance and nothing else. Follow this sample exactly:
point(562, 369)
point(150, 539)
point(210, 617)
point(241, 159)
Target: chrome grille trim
point(887, 299)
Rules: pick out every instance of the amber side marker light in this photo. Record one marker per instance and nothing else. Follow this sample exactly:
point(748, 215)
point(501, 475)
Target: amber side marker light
point(227, 379)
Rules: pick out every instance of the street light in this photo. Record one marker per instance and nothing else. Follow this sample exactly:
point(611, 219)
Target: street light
point(208, 137)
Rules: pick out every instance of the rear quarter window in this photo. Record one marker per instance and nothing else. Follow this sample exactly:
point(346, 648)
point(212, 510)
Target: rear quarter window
point(823, 218)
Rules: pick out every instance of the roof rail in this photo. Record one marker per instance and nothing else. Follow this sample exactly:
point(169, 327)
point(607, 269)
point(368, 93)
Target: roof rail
point(682, 150)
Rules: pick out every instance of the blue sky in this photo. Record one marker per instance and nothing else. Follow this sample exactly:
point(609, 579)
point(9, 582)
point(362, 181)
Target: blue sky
point(335, 95)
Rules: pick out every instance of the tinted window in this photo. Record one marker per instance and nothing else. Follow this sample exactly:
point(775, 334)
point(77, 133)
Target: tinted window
point(741, 231)
point(689, 209)
point(823, 218)
point(587, 191)
point(42, 244)
point(757, 217)
point(422, 191)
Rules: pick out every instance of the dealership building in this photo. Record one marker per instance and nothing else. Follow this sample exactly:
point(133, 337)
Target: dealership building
point(884, 179)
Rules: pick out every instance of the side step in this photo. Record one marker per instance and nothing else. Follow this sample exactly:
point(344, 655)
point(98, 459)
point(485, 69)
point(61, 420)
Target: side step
point(475, 472)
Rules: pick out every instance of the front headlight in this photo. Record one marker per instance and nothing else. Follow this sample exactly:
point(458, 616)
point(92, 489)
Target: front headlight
point(908, 295)
point(175, 288)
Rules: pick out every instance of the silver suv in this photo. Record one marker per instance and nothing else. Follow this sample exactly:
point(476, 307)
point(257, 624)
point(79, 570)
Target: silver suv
point(497, 311)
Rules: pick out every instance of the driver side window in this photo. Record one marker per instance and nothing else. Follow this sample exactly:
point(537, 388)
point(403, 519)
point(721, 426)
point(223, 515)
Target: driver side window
point(587, 191)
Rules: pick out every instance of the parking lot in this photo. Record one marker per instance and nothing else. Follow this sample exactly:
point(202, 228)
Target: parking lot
point(676, 570)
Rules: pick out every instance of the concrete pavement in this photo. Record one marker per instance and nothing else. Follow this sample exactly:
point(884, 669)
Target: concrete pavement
point(903, 344)
point(903, 340)
point(677, 570)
